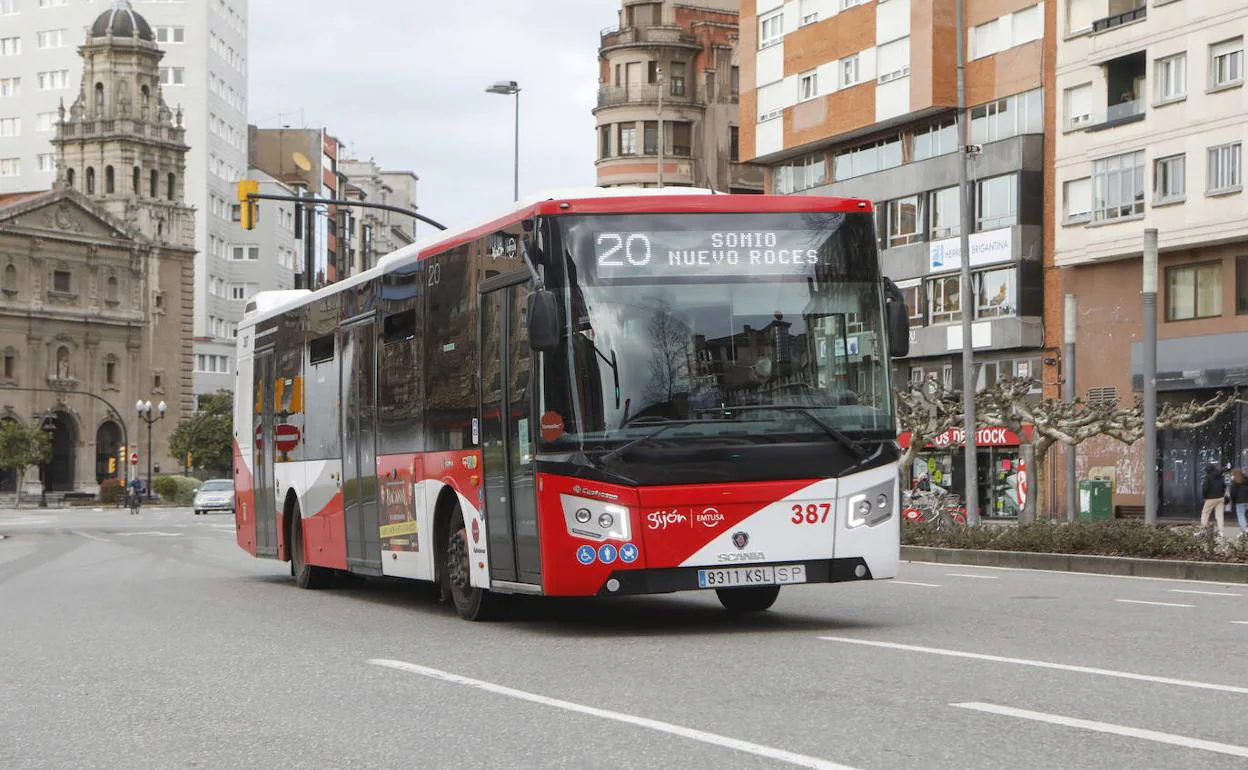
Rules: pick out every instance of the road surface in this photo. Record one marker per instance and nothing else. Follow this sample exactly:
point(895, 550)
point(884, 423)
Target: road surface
point(153, 641)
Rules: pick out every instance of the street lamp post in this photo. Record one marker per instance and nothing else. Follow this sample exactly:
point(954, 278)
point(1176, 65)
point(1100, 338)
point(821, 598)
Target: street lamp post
point(45, 425)
point(511, 88)
point(144, 410)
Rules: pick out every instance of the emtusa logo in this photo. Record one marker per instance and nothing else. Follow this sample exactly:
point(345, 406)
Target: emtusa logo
point(710, 518)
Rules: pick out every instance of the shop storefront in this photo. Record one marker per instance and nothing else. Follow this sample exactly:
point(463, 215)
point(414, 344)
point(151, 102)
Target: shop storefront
point(1002, 477)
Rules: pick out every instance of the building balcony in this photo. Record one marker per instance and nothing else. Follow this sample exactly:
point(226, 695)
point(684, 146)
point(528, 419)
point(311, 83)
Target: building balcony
point(615, 96)
point(659, 35)
point(1120, 18)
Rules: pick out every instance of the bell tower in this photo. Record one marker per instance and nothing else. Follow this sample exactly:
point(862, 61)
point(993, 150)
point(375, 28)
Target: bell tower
point(119, 143)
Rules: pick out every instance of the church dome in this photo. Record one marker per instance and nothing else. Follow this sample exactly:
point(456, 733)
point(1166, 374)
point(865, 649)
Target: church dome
point(122, 21)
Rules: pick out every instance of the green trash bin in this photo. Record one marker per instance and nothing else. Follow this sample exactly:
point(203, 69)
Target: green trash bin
point(1096, 500)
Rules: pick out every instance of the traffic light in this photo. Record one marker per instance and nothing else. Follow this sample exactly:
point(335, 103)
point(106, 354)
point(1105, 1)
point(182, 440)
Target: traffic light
point(189, 460)
point(112, 465)
point(249, 210)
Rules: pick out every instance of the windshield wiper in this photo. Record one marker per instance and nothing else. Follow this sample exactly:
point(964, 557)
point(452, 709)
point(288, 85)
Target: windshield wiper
point(617, 452)
point(840, 438)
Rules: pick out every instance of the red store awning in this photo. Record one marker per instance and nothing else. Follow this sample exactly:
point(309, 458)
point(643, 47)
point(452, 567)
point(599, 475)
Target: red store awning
point(988, 437)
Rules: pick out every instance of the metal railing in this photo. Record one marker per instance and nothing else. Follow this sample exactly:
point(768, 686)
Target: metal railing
point(657, 34)
point(610, 96)
point(1118, 19)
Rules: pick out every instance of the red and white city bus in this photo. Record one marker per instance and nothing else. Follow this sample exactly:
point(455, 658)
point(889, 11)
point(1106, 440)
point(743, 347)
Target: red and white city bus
point(617, 392)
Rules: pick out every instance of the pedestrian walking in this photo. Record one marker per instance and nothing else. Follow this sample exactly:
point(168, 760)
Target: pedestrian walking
point(1213, 492)
point(1238, 495)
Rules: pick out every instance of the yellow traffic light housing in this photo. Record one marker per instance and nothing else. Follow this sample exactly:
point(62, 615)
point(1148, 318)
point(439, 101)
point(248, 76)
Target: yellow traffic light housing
point(112, 465)
point(249, 209)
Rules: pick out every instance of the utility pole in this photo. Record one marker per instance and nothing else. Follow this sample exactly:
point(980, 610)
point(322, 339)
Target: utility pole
point(1150, 376)
point(1071, 393)
point(967, 299)
point(662, 133)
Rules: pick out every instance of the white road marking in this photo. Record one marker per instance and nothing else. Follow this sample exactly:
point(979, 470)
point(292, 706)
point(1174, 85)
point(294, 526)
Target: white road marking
point(93, 537)
point(1106, 727)
point(1240, 622)
point(909, 583)
point(156, 534)
point(1155, 604)
point(976, 577)
point(652, 724)
point(1041, 664)
point(1202, 593)
point(1068, 572)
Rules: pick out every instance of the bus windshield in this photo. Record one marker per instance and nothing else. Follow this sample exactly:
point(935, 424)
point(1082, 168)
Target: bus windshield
point(691, 334)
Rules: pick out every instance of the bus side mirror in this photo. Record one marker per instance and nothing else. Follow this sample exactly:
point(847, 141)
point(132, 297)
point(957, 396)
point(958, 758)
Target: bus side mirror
point(897, 319)
point(544, 321)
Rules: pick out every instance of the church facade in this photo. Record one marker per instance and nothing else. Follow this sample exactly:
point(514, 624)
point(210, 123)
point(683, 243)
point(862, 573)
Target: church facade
point(97, 274)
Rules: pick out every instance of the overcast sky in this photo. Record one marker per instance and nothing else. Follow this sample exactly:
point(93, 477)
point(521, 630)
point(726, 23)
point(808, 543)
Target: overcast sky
point(403, 82)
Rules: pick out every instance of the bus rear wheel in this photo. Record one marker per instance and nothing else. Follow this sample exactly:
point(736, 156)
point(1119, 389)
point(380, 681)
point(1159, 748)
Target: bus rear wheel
point(470, 602)
point(752, 599)
point(306, 575)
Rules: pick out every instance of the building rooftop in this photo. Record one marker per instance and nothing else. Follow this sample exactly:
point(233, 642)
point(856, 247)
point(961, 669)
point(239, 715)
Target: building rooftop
point(122, 21)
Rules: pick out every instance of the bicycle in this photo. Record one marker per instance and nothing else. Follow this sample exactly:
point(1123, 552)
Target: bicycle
point(135, 503)
point(939, 509)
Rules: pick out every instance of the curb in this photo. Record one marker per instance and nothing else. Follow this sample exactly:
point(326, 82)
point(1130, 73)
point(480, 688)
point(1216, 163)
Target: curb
point(1216, 572)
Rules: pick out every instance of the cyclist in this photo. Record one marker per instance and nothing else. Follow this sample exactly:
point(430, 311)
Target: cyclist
point(135, 495)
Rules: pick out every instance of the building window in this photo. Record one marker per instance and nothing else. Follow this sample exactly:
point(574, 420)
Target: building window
point(45, 162)
point(996, 202)
point(53, 80)
point(808, 85)
point(892, 61)
point(847, 4)
point(10, 46)
point(678, 78)
point(112, 291)
point(172, 76)
point(50, 38)
point(801, 174)
point(60, 281)
point(994, 293)
point(10, 279)
point(628, 140)
point(170, 187)
point(1004, 118)
point(868, 159)
point(809, 12)
point(1225, 168)
point(153, 183)
point(1194, 291)
point(1241, 285)
point(1226, 63)
point(45, 122)
point(650, 137)
point(734, 144)
point(914, 303)
point(1118, 186)
point(945, 213)
point(171, 34)
point(850, 73)
point(90, 180)
point(110, 180)
point(10, 87)
point(10, 365)
point(10, 167)
point(1078, 105)
point(110, 371)
point(905, 220)
point(1170, 179)
point(10, 127)
point(1171, 77)
point(944, 299)
point(1078, 199)
point(604, 141)
point(771, 29)
point(238, 291)
point(929, 142)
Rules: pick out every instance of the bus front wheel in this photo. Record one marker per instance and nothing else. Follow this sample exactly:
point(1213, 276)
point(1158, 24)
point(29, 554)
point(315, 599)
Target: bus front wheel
point(470, 602)
point(752, 599)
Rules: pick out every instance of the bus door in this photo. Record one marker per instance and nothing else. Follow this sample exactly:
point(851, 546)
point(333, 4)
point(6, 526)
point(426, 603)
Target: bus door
point(264, 484)
point(359, 450)
point(506, 430)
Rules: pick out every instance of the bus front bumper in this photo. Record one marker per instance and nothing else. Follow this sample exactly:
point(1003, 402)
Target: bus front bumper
point(669, 580)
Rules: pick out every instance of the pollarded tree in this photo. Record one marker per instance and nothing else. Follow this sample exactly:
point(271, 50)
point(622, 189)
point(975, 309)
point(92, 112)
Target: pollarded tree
point(925, 410)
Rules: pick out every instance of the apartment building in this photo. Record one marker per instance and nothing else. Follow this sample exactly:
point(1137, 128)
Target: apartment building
point(1152, 120)
point(858, 98)
point(668, 98)
point(306, 160)
point(203, 73)
point(376, 233)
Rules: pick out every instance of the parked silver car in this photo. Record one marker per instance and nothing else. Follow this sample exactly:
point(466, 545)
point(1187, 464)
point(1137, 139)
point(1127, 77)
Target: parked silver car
point(214, 495)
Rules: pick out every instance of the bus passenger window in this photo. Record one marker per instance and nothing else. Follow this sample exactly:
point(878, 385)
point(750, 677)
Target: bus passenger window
point(399, 327)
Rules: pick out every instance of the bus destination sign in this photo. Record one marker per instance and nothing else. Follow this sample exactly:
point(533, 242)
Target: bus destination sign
point(711, 253)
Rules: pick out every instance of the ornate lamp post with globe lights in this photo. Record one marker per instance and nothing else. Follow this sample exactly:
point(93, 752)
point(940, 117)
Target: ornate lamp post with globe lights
point(144, 410)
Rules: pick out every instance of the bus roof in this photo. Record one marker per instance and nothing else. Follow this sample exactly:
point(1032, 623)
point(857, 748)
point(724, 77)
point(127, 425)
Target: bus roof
point(587, 200)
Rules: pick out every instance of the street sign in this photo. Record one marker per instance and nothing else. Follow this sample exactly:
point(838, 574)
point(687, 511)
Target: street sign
point(134, 458)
